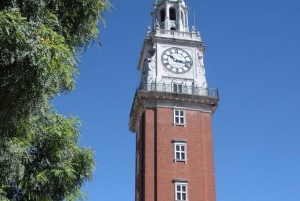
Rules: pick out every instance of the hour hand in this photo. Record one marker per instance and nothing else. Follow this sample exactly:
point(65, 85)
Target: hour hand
point(176, 59)
point(180, 61)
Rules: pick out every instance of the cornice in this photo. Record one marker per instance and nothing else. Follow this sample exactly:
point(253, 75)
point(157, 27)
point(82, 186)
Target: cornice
point(141, 97)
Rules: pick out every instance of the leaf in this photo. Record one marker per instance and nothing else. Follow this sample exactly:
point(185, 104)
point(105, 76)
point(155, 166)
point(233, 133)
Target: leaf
point(32, 73)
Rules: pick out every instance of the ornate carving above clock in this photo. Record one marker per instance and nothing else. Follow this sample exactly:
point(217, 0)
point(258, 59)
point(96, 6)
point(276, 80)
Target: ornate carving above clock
point(176, 60)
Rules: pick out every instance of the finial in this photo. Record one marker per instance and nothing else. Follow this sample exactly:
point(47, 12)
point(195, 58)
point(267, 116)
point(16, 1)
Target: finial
point(148, 31)
point(198, 35)
point(193, 29)
point(157, 25)
point(154, 47)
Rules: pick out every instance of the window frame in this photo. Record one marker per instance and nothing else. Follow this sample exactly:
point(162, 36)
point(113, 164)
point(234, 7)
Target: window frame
point(179, 116)
point(178, 88)
point(181, 191)
point(180, 143)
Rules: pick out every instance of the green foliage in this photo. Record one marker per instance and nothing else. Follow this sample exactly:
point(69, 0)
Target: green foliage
point(59, 165)
point(35, 65)
point(39, 44)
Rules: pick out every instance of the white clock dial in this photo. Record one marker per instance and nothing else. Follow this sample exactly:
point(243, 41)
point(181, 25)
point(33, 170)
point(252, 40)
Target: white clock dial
point(176, 60)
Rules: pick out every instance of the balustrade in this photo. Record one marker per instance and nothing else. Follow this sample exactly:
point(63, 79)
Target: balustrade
point(177, 34)
point(182, 89)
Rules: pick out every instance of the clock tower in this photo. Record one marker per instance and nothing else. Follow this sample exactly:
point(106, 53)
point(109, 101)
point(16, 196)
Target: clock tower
point(172, 110)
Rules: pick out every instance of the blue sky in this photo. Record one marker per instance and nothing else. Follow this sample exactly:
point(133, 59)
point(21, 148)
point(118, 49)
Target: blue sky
point(252, 57)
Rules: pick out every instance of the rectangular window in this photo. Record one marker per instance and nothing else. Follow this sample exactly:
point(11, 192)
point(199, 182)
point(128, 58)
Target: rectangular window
point(177, 88)
point(181, 190)
point(179, 117)
point(179, 151)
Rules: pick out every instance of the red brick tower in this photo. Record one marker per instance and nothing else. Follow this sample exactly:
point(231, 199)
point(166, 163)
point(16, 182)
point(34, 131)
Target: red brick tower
point(172, 110)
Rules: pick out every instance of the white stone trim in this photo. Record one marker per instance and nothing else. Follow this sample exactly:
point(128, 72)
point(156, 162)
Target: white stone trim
point(170, 104)
point(181, 193)
point(180, 144)
point(179, 117)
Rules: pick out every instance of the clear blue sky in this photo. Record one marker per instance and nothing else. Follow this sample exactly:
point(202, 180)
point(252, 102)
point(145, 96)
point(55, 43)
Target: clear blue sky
point(253, 57)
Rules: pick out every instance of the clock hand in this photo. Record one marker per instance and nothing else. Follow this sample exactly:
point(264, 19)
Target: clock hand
point(175, 58)
point(172, 57)
point(179, 59)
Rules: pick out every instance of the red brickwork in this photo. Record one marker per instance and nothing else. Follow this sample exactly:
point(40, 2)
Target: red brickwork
point(157, 167)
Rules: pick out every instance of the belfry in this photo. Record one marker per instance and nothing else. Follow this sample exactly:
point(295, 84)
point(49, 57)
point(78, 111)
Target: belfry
point(172, 111)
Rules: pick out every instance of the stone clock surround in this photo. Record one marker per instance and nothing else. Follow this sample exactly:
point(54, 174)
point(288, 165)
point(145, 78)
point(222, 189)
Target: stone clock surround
point(176, 60)
point(152, 52)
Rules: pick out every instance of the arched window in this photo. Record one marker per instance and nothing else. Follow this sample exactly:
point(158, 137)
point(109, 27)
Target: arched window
point(173, 28)
point(162, 15)
point(172, 14)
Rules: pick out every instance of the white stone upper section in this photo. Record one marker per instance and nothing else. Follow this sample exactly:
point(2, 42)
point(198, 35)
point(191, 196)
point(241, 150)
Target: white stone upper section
point(192, 36)
point(162, 1)
point(172, 65)
point(170, 15)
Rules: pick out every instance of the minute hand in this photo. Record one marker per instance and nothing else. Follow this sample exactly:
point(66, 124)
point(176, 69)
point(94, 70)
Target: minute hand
point(176, 59)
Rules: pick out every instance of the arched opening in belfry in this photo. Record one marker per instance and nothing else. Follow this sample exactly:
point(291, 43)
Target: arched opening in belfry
point(173, 28)
point(172, 13)
point(162, 15)
point(182, 18)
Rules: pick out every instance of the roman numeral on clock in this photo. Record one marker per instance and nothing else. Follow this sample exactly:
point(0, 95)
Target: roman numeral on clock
point(176, 60)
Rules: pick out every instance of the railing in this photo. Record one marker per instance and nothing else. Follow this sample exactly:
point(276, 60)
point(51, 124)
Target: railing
point(180, 89)
point(175, 89)
point(177, 34)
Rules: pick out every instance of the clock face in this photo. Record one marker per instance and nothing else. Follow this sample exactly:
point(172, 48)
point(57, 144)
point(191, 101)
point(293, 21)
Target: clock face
point(176, 60)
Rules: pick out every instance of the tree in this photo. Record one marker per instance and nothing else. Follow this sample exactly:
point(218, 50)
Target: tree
point(39, 45)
